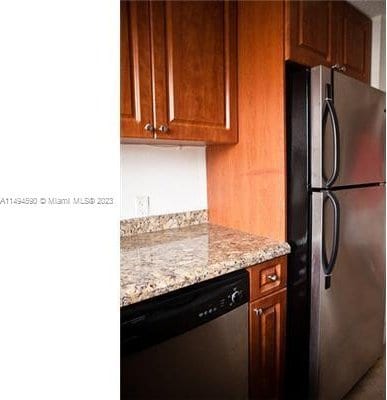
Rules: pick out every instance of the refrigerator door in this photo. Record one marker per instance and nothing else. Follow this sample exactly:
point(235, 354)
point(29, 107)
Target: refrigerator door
point(347, 319)
point(347, 131)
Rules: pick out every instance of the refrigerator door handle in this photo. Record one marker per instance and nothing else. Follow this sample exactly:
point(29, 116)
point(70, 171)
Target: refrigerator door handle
point(330, 107)
point(328, 265)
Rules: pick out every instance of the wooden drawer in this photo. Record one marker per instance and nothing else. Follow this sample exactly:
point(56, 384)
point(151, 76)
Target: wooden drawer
point(267, 277)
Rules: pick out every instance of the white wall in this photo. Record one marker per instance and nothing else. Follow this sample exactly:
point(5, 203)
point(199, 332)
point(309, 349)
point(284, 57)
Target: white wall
point(382, 83)
point(173, 177)
point(378, 55)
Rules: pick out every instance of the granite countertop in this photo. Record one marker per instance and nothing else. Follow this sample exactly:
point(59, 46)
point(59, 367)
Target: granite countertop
point(160, 262)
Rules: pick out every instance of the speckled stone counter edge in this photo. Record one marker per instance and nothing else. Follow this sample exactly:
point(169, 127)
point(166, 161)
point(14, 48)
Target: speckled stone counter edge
point(156, 223)
point(247, 260)
point(160, 262)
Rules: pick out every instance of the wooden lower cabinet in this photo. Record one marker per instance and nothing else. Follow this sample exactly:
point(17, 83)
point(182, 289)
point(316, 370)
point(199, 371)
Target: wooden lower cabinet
point(267, 318)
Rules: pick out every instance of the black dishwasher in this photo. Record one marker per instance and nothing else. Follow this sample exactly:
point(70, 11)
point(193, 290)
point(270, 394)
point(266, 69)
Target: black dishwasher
point(188, 344)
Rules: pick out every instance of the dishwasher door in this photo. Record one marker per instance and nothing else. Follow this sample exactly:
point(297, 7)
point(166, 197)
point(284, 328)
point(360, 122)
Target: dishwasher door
point(206, 363)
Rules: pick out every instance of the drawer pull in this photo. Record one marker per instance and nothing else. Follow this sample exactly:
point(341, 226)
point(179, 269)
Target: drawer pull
point(258, 311)
point(163, 128)
point(272, 278)
point(149, 127)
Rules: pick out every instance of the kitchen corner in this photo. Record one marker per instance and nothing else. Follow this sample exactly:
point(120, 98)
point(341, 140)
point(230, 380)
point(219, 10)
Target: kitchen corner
point(268, 119)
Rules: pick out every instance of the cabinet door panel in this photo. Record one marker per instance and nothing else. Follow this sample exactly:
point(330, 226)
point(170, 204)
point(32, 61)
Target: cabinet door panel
point(136, 103)
point(310, 32)
point(356, 43)
point(267, 342)
point(194, 60)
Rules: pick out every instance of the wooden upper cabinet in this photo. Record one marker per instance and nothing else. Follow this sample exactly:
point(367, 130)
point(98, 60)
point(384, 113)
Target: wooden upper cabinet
point(329, 33)
point(310, 32)
point(267, 346)
point(194, 56)
point(354, 42)
point(136, 91)
point(182, 69)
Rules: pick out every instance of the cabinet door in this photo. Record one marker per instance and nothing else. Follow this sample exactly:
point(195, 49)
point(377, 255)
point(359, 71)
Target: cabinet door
point(354, 42)
point(136, 93)
point(267, 342)
point(310, 32)
point(194, 60)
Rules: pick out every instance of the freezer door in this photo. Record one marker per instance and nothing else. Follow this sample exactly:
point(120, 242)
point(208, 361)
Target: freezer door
point(347, 319)
point(347, 131)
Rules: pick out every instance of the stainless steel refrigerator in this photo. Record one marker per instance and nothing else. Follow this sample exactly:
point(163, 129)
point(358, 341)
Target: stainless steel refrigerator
point(336, 227)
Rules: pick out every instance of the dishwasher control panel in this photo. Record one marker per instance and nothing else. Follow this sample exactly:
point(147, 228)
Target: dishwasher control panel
point(231, 298)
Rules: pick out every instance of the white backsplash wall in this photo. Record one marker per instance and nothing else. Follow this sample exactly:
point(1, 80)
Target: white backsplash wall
point(173, 177)
point(378, 53)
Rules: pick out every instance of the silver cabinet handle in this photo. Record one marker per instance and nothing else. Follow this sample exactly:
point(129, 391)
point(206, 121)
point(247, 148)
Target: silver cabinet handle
point(258, 311)
point(272, 278)
point(338, 67)
point(163, 128)
point(149, 127)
